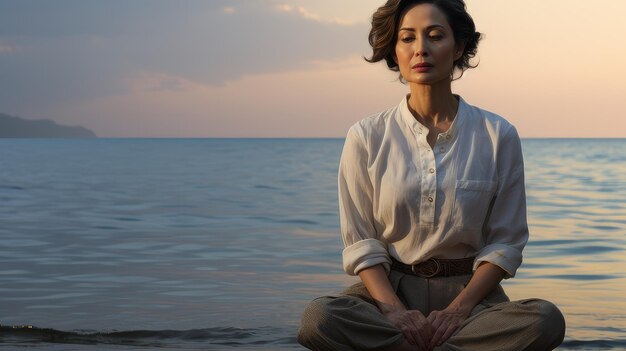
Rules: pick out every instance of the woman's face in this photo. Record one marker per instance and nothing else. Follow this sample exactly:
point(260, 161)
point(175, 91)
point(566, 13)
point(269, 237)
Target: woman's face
point(425, 50)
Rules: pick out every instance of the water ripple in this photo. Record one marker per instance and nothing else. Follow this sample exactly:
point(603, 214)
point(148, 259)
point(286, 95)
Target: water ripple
point(581, 276)
point(227, 336)
point(617, 344)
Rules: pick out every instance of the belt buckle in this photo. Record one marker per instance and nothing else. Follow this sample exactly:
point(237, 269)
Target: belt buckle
point(427, 269)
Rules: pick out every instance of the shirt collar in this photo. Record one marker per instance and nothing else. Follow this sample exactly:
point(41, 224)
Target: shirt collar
point(417, 127)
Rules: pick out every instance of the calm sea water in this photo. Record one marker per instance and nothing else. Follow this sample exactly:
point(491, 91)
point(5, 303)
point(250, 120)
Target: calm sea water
point(135, 244)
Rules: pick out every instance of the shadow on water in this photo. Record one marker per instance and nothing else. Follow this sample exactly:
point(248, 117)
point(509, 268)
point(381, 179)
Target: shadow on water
point(208, 338)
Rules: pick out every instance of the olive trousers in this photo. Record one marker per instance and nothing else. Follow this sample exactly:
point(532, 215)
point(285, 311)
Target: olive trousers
point(352, 321)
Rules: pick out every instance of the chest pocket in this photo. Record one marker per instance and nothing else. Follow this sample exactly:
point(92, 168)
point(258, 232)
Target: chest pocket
point(471, 202)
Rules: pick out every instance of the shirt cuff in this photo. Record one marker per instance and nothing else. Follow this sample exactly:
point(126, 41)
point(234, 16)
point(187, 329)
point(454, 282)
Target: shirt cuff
point(503, 256)
point(364, 254)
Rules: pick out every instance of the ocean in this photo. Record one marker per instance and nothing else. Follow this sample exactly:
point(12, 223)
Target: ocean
point(219, 244)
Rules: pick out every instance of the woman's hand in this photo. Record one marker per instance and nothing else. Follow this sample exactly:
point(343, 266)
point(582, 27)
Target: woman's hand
point(415, 327)
point(444, 323)
point(412, 323)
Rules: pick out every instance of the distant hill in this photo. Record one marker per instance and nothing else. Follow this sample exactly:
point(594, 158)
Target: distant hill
point(15, 127)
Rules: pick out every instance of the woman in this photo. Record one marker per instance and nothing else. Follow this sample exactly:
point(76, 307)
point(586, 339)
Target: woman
point(432, 208)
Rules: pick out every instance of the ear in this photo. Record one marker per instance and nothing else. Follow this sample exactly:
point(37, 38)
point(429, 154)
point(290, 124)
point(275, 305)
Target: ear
point(458, 51)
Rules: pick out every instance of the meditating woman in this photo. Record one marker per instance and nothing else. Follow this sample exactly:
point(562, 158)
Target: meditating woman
point(432, 207)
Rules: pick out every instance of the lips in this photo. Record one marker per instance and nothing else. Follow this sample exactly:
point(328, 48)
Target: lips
point(423, 64)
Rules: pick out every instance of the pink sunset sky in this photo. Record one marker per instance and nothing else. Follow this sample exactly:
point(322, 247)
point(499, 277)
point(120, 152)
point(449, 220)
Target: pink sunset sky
point(294, 68)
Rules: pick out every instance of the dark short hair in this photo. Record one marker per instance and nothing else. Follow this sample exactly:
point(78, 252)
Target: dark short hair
point(386, 22)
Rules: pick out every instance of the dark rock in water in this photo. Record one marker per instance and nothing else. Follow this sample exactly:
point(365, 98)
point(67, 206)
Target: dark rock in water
point(15, 127)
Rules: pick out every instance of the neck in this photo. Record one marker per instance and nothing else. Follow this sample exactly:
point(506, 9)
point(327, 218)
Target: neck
point(432, 105)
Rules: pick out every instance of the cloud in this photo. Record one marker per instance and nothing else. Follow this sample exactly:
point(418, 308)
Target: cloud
point(77, 49)
point(309, 15)
point(281, 104)
point(157, 82)
point(7, 48)
point(45, 18)
point(229, 9)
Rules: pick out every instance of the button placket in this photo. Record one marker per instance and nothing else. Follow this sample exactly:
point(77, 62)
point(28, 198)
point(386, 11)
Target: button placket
point(429, 186)
point(431, 198)
point(426, 167)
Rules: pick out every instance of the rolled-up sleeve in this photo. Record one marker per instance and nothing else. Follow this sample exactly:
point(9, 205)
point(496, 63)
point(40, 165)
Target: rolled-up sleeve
point(506, 228)
point(363, 248)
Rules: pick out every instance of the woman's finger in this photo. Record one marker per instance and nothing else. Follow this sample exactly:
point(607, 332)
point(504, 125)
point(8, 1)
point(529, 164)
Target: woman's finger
point(436, 338)
point(431, 317)
point(435, 319)
point(408, 334)
point(422, 328)
point(420, 341)
point(445, 331)
point(451, 329)
point(439, 331)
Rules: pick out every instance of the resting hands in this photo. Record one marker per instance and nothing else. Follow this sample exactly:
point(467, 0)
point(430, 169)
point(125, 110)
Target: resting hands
point(414, 326)
point(444, 323)
point(427, 332)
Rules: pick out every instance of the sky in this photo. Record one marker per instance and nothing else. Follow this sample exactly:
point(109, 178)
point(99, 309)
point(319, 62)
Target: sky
point(294, 68)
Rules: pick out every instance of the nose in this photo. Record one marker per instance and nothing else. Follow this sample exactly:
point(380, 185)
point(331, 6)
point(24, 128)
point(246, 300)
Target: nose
point(421, 53)
point(420, 48)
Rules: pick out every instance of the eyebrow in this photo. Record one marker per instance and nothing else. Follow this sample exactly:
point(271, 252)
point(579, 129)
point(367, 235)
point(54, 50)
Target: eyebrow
point(427, 28)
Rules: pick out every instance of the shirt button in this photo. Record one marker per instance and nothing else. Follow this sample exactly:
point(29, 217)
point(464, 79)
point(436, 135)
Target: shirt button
point(442, 149)
point(430, 199)
point(432, 170)
point(448, 136)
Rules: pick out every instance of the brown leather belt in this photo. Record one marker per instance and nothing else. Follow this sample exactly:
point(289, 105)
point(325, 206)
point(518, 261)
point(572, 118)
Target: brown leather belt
point(436, 267)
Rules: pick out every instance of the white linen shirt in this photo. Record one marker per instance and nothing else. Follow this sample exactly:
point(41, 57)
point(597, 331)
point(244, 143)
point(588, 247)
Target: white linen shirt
point(464, 197)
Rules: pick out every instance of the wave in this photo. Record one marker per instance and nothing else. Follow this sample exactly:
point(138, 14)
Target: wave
point(202, 338)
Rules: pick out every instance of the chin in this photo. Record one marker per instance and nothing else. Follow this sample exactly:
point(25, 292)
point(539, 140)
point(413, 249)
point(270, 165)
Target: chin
point(427, 80)
point(423, 81)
